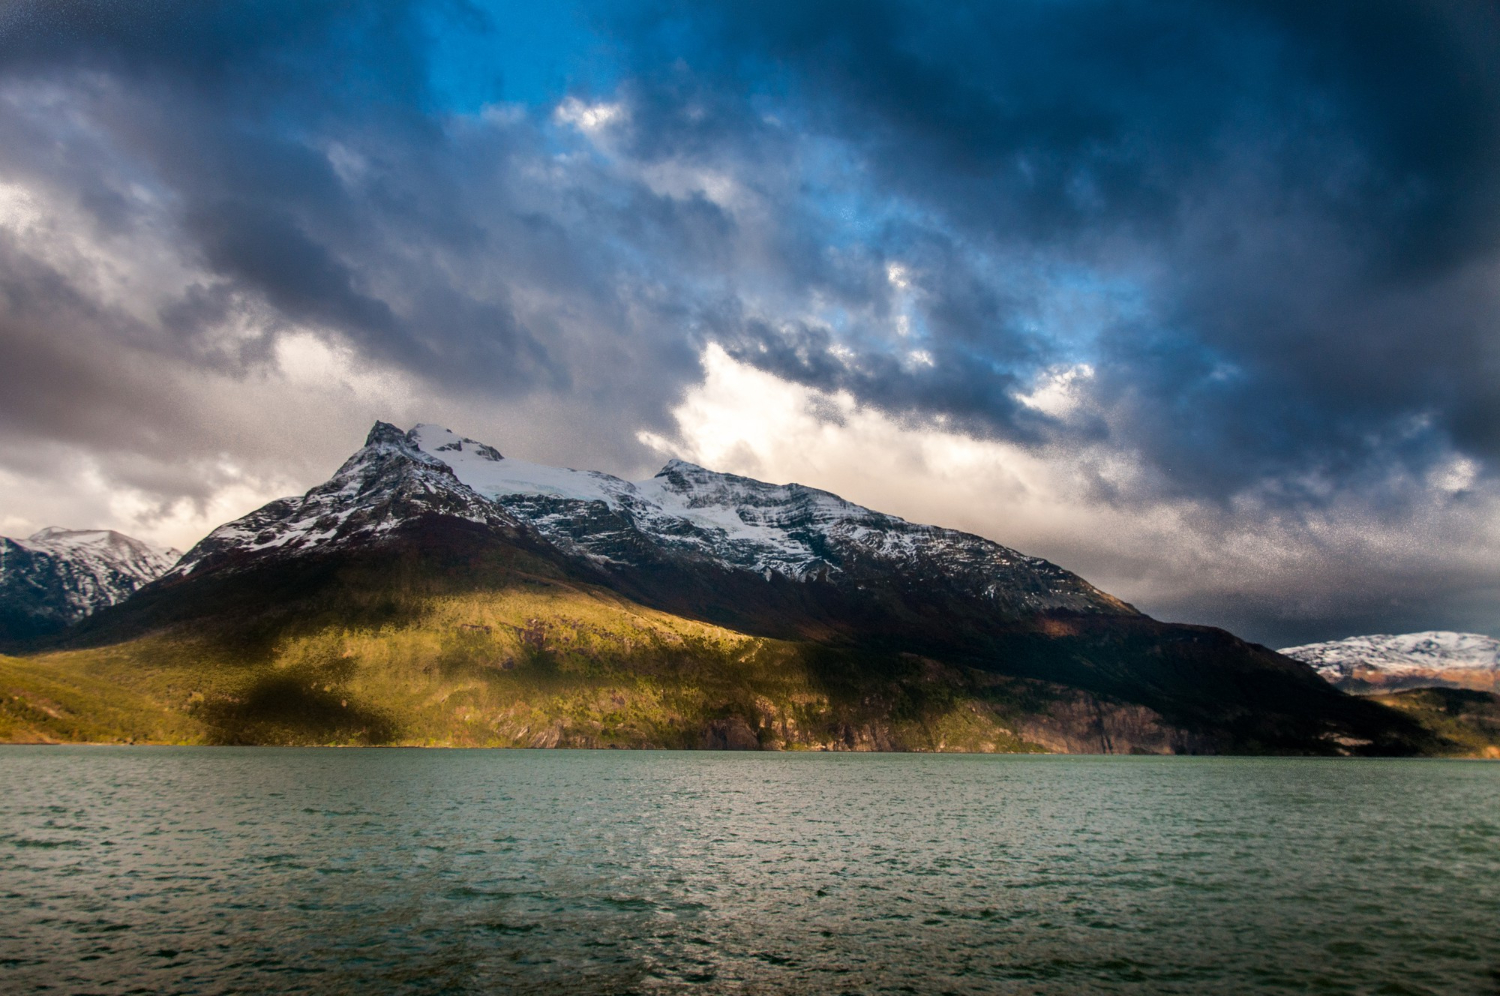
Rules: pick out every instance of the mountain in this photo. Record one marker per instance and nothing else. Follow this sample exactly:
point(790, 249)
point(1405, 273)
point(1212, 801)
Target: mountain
point(55, 577)
point(435, 591)
point(782, 560)
point(685, 520)
point(1382, 663)
point(387, 485)
point(1466, 720)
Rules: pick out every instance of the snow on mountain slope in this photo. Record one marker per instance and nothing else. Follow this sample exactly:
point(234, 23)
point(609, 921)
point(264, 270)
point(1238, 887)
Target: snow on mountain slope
point(104, 552)
point(482, 468)
point(865, 602)
point(1409, 660)
point(685, 518)
point(55, 577)
point(717, 515)
point(387, 483)
point(741, 524)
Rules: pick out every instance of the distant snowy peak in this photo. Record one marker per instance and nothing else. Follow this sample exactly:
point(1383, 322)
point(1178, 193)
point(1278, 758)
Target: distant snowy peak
point(1403, 653)
point(104, 550)
point(1408, 660)
point(56, 577)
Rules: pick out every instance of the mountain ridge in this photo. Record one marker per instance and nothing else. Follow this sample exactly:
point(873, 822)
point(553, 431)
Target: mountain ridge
point(401, 581)
point(737, 522)
point(383, 484)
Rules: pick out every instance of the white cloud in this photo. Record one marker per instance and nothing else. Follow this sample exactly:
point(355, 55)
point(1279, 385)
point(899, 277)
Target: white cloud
point(1457, 474)
point(589, 118)
point(351, 167)
point(1169, 557)
point(682, 180)
point(19, 210)
point(1057, 390)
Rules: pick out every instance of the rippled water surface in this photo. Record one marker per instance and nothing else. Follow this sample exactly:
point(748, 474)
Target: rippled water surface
point(160, 870)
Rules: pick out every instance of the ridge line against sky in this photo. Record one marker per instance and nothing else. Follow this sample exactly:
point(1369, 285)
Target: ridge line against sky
point(1199, 301)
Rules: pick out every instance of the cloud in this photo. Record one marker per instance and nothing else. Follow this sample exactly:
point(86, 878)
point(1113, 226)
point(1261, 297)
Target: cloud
point(1273, 575)
point(1220, 278)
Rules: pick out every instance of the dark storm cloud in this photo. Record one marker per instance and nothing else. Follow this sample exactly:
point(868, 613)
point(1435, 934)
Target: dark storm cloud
point(1270, 230)
point(242, 114)
point(41, 316)
point(1305, 193)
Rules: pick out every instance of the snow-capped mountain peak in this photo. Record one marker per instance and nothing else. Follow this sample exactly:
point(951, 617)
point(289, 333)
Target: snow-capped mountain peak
point(681, 498)
point(1405, 660)
point(737, 523)
point(482, 468)
point(104, 547)
point(387, 483)
point(684, 519)
point(678, 466)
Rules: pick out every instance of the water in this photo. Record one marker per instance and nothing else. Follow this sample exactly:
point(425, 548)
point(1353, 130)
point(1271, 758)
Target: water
point(204, 870)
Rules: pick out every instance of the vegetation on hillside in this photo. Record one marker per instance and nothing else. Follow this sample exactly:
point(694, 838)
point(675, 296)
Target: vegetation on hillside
point(538, 663)
point(1467, 721)
point(453, 639)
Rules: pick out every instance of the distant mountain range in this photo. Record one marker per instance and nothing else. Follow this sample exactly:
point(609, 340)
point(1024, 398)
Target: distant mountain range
point(1384, 663)
point(435, 591)
point(55, 577)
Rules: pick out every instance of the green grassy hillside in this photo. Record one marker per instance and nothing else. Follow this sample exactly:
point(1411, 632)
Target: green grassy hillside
point(538, 663)
point(1467, 721)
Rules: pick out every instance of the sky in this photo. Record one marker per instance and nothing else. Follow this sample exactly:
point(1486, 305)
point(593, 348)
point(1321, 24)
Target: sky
point(1201, 301)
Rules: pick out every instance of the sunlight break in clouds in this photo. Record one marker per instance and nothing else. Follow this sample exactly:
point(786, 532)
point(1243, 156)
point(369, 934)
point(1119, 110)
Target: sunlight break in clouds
point(589, 118)
point(743, 420)
point(1177, 559)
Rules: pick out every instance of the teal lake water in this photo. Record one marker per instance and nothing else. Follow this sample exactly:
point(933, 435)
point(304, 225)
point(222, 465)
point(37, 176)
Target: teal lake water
point(204, 870)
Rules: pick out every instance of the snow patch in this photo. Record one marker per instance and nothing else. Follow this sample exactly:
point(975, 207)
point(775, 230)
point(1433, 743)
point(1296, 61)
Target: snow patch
point(1406, 654)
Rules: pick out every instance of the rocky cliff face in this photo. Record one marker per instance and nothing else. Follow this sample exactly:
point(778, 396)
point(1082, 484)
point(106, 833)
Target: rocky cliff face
point(56, 577)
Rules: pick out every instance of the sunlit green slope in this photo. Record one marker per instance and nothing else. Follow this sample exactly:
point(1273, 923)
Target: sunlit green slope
point(539, 662)
point(452, 634)
point(1467, 722)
